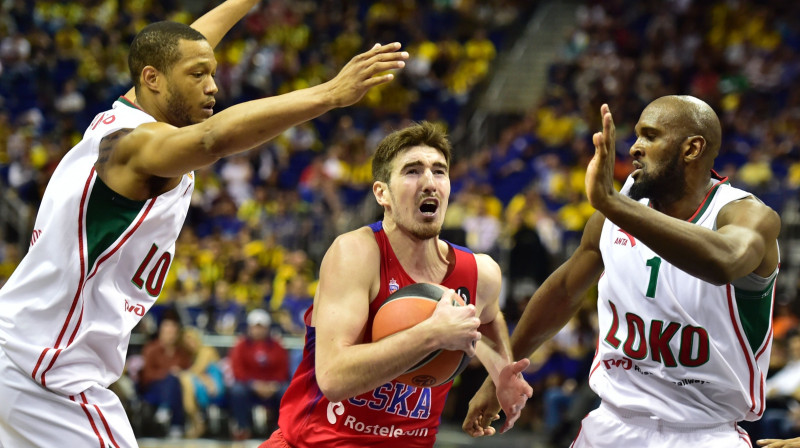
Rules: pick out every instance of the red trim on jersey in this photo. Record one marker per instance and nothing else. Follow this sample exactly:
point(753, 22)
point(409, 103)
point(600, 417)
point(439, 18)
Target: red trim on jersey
point(105, 424)
point(743, 345)
point(91, 420)
point(49, 366)
point(81, 253)
point(578, 434)
point(80, 279)
point(711, 190)
point(124, 239)
point(630, 237)
point(128, 102)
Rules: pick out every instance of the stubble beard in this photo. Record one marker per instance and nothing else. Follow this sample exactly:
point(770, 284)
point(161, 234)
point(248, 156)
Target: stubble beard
point(178, 109)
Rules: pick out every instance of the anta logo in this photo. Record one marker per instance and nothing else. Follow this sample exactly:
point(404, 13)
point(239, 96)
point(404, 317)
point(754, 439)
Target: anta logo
point(137, 309)
point(393, 286)
point(623, 241)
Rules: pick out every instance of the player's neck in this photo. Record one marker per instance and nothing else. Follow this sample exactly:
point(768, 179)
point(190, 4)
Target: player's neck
point(148, 104)
point(423, 259)
point(685, 207)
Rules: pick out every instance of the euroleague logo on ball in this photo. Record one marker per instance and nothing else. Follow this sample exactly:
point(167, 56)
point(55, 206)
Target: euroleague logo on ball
point(424, 380)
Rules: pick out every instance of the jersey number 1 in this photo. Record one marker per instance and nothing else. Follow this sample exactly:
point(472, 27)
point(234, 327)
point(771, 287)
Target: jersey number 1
point(654, 263)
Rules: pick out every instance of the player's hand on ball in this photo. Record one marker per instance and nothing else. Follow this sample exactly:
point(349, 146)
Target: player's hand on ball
point(456, 326)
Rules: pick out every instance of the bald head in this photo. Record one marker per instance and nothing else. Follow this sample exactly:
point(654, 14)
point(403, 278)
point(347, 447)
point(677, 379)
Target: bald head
point(685, 116)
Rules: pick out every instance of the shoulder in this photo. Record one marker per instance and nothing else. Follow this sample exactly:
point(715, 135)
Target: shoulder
point(361, 240)
point(354, 251)
point(490, 280)
point(488, 269)
point(750, 212)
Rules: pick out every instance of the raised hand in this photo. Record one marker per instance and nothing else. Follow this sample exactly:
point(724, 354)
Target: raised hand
point(600, 172)
point(513, 391)
point(358, 75)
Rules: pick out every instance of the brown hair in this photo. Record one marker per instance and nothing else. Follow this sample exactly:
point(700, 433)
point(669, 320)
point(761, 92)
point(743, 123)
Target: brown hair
point(423, 133)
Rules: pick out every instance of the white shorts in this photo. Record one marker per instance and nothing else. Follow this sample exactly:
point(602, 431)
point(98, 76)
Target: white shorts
point(607, 427)
point(32, 416)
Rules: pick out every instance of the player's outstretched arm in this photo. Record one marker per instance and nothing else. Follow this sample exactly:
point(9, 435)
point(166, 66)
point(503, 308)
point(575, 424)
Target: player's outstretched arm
point(744, 241)
point(215, 24)
point(780, 443)
point(550, 308)
point(163, 150)
point(345, 365)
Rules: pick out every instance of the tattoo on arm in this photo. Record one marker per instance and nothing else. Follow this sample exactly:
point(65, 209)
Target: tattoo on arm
point(107, 145)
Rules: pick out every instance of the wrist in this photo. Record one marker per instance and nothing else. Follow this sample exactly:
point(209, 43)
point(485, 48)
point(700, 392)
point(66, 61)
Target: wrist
point(608, 204)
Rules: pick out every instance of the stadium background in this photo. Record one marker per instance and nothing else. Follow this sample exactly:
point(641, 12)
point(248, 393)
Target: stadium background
point(518, 84)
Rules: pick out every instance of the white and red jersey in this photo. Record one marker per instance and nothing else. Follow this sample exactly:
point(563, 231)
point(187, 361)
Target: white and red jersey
point(97, 262)
point(674, 346)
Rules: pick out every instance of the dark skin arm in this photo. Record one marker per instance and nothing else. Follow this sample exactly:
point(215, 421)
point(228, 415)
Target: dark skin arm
point(152, 158)
point(780, 443)
point(550, 308)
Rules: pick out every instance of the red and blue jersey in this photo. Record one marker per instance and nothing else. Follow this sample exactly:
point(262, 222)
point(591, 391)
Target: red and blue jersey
point(392, 415)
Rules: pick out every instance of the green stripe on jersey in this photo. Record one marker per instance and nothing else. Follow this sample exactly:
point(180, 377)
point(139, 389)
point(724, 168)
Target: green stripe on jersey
point(754, 311)
point(707, 202)
point(107, 217)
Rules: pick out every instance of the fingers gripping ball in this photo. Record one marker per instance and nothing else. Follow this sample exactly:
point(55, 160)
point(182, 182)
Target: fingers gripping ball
point(405, 308)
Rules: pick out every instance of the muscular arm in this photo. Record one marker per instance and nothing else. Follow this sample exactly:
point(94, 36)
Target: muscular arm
point(345, 365)
point(215, 24)
point(561, 295)
point(744, 241)
point(165, 151)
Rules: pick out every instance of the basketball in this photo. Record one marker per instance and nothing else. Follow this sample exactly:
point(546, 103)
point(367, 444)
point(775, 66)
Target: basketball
point(405, 308)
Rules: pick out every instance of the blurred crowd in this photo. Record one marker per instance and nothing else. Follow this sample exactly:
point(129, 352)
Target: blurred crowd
point(246, 262)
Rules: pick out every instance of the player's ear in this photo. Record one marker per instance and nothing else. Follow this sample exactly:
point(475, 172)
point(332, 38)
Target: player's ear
point(381, 192)
point(693, 148)
point(150, 78)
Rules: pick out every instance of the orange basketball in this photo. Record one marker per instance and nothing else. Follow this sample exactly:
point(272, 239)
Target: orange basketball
point(405, 308)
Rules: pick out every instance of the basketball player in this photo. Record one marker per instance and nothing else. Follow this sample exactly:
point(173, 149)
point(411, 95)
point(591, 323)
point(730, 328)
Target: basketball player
point(105, 232)
point(342, 394)
point(686, 266)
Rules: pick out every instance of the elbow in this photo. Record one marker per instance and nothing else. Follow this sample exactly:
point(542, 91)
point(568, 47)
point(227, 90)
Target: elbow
point(332, 391)
point(721, 273)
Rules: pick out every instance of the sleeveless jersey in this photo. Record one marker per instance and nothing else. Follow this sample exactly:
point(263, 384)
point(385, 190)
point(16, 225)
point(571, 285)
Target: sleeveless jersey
point(392, 415)
point(96, 263)
point(673, 346)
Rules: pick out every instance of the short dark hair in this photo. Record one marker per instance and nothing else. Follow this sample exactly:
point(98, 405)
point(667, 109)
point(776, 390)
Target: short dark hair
point(423, 133)
point(157, 45)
